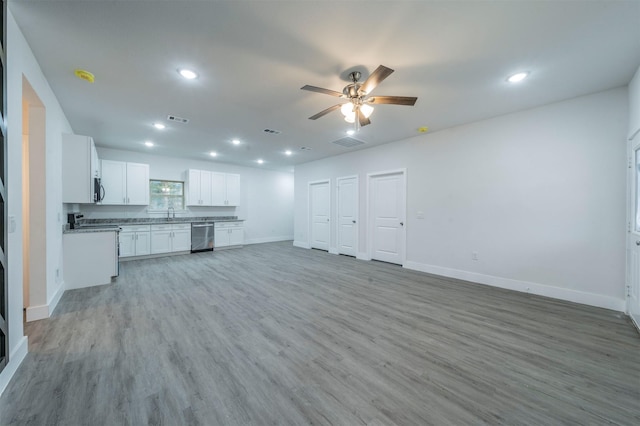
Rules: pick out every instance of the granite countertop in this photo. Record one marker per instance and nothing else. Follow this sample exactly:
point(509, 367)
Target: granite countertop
point(99, 228)
point(110, 225)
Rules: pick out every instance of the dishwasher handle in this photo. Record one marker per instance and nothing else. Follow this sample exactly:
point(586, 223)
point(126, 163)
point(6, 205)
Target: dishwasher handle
point(207, 225)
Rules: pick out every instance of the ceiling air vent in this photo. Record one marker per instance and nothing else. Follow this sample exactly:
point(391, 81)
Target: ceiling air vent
point(305, 148)
point(273, 132)
point(348, 142)
point(177, 119)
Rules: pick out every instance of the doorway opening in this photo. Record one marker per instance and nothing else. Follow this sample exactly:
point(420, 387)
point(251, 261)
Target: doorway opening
point(34, 254)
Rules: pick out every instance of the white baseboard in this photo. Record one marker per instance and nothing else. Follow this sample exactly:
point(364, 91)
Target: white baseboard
point(268, 239)
point(38, 312)
point(570, 295)
point(53, 302)
point(634, 320)
point(15, 359)
point(362, 256)
point(301, 244)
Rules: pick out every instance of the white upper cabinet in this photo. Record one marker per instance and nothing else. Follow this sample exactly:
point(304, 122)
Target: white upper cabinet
point(138, 184)
point(225, 189)
point(114, 182)
point(207, 188)
point(199, 188)
point(125, 183)
point(95, 161)
point(218, 188)
point(80, 165)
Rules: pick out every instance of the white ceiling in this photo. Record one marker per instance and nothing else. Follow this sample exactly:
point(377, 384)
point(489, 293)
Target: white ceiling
point(253, 57)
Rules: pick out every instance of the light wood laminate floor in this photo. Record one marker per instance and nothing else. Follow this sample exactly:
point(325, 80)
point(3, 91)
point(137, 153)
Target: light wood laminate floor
point(272, 334)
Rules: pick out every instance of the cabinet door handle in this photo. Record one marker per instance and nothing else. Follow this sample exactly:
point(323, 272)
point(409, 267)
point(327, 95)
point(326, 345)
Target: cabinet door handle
point(124, 200)
point(128, 200)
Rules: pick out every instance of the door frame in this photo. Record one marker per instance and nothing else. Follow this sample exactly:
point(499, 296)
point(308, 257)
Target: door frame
point(357, 214)
point(309, 212)
point(632, 235)
point(369, 214)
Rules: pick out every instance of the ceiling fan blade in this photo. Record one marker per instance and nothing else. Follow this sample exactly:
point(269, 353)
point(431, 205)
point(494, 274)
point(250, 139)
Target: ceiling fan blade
point(325, 112)
point(361, 118)
point(321, 90)
point(374, 79)
point(394, 100)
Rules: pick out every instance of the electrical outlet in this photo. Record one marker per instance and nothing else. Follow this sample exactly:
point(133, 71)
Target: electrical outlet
point(474, 255)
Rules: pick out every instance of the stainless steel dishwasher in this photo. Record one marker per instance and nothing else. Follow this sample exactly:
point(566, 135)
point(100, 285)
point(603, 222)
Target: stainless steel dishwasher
point(201, 237)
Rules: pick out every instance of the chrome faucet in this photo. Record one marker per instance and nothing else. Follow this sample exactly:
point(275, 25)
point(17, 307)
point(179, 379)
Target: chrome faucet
point(174, 213)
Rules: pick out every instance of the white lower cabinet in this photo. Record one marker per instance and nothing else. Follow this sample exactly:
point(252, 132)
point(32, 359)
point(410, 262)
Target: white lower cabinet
point(135, 240)
point(228, 234)
point(169, 238)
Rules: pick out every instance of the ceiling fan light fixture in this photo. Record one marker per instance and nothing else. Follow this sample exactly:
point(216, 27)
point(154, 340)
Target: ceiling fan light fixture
point(351, 118)
point(346, 109)
point(366, 110)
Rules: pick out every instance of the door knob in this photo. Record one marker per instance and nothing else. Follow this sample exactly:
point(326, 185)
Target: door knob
point(353, 221)
point(401, 223)
point(327, 220)
point(638, 243)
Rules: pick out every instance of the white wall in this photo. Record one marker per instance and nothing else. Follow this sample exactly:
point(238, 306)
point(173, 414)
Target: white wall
point(539, 194)
point(266, 199)
point(21, 62)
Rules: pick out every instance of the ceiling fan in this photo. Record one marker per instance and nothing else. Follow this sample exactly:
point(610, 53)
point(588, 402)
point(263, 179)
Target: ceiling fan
point(358, 108)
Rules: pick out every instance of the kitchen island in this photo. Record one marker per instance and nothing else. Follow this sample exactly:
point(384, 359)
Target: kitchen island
point(90, 256)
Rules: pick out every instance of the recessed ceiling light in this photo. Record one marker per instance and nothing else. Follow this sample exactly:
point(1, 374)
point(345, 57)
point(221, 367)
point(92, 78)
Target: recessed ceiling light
point(235, 142)
point(515, 78)
point(149, 144)
point(350, 132)
point(213, 154)
point(159, 126)
point(260, 161)
point(188, 74)
point(287, 152)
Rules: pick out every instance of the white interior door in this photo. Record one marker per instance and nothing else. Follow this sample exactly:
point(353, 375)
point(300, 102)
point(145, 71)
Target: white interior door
point(387, 216)
point(633, 238)
point(320, 208)
point(347, 215)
